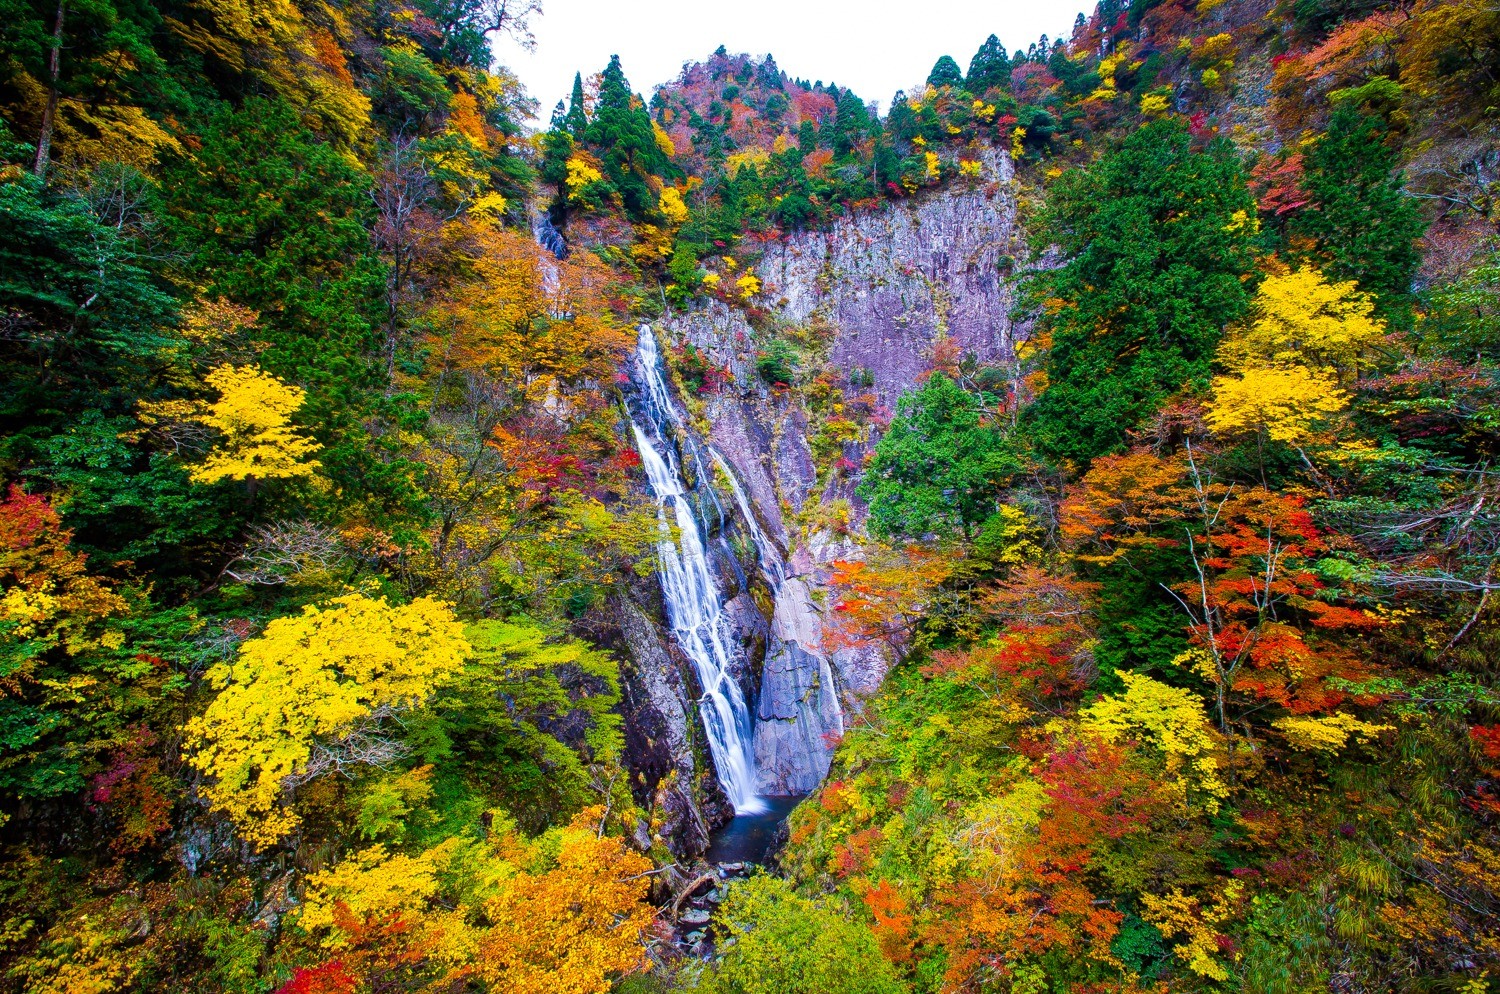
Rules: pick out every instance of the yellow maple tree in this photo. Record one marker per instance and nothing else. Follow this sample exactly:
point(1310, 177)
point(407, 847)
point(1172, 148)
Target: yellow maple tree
point(1306, 339)
point(274, 43)
point(754, 157)
point(663, 140)
point(1197, 923)
point(564, 912)
point(1326, 733)
point(1155, 105)
point(1300, 320)
point(1286, 403)
point(582, 172)
point(530, 322)
point(1169, 719)
point(253, 414)
point(307, 697)
point(373, 881)
point(672, 206)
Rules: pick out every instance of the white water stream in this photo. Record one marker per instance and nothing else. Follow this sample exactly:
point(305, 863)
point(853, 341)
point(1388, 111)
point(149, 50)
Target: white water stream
point(692, 598)
point(770, 556)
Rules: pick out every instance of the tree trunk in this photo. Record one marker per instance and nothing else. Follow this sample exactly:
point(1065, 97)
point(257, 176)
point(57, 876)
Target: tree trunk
point(54, 71)
point(394, 287)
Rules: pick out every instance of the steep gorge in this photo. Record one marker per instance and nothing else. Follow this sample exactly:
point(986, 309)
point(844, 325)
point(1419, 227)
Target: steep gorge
point(881, 290)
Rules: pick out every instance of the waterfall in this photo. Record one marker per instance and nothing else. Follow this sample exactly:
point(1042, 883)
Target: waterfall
point(692, 598)
point(548, 237)
point(799, 703)
point(770, 556)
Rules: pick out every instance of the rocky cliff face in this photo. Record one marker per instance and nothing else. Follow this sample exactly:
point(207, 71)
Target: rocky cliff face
point(889, 284)
point(662, 736)
point(883, 289)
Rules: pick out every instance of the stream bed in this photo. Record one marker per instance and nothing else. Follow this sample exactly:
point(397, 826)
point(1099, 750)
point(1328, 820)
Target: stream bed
point(734, 852)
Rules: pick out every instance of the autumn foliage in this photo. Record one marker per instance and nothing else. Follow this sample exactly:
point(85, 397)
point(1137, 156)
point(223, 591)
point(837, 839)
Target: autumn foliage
point(1155, 573)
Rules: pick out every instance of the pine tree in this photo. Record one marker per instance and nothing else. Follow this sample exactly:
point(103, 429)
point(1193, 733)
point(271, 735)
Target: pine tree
point(990, 68)
point(578, 118)
point(945, 72)
point(807, 137)
point(850, 123)
point(1158, 240)
point(281, 220)
point(768, 74)
point(622, 136)
point(557, 148)
point(1365, 227)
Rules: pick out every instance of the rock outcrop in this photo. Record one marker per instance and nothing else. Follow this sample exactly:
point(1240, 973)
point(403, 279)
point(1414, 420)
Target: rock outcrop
point(670, 775)
point(890, 284)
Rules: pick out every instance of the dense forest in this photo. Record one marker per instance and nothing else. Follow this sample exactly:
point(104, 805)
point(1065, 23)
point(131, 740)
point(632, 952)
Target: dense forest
point(323, 526)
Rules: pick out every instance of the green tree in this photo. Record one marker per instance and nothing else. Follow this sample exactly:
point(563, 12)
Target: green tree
point(939, 467)
point(850, 124)
point(88, 314)
point(280, 222)
point(466, 27)
point(271, 218)
point(945, 72)
point(1077, 79)
point(1157, 238)
point(93, 329)
point(1463, 322)
point(1364, 225)
point(791, 945)
point(578, 117)
point(990, 67)
point(526, 717)
point(410, 93)
point(622, 136)
point(557, 148)
point(768, 75)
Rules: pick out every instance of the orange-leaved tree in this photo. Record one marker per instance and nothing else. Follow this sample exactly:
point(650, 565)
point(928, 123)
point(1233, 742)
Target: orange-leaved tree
point(883, 597)
point(1259, 619)
point(1031, 886)
point(59, 697)
point(562, 912)
point(1043, 653)
point(574, 926)
point(539, 326)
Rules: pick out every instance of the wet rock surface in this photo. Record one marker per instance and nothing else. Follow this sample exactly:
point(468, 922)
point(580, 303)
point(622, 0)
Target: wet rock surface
point(660, 722)
point(694, 931)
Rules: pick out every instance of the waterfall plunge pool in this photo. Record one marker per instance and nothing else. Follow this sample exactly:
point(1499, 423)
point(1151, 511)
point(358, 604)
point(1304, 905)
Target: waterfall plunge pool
point(749, 838)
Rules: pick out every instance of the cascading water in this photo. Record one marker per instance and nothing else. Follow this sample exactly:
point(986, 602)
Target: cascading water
point(770, 556)
point(692, 598)
point(799, 702)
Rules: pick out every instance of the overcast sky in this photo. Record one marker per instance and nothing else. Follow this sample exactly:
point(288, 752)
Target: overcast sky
point(875, 46)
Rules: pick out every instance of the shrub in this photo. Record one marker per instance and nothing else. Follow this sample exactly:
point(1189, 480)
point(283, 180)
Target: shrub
point(777, 362)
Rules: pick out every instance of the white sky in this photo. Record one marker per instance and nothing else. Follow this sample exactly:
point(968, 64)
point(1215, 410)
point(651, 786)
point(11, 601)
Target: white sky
point(874, 46)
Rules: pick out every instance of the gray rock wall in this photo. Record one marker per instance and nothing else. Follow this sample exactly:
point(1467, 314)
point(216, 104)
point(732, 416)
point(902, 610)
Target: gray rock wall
point(890, 283)
point(671, 776)
point(885, 288)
